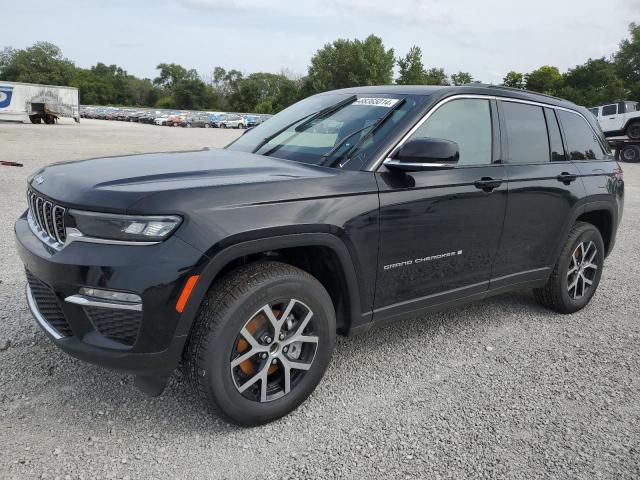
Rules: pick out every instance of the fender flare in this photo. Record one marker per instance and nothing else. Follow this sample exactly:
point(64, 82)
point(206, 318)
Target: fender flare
point(216, 263)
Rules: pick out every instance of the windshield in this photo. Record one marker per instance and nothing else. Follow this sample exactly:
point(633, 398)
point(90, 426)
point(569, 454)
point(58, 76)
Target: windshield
point(331, 129)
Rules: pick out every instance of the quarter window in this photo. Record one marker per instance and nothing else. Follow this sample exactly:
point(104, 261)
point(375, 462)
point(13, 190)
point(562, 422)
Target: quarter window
point(526, 133)
point(582, 143)
point(468, 123)
point(609, 110)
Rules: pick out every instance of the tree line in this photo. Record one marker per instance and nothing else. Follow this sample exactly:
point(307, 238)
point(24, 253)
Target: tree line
point(342, 63)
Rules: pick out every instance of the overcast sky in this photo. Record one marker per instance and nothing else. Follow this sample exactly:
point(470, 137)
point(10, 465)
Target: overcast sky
point(487, 38)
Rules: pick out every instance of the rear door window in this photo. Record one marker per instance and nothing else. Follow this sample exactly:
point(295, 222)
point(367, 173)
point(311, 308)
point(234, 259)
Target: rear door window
point(526, 133)
point(609, 110)
point(582, 142)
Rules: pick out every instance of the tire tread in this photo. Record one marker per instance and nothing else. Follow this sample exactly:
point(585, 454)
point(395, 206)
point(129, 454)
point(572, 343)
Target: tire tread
point(211, 317)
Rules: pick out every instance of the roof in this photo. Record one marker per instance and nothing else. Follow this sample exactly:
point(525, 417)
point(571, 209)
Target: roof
point(473, 88)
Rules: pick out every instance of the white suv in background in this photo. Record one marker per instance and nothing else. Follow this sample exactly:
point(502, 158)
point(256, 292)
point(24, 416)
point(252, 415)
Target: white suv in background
point(231, 120)
point(620, 118)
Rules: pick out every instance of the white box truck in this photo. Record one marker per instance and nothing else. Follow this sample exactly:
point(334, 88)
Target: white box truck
point(24, 102)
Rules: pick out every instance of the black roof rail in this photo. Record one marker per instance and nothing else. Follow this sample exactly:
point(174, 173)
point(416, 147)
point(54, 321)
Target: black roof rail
point(511, 89)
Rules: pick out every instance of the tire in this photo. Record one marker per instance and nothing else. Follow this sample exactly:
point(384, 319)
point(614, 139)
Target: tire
point(237, 302)
point(223, 125)
point(206, 125)
point(630, 153)
point(633, 130)
point(558, 294)
point(189, 125)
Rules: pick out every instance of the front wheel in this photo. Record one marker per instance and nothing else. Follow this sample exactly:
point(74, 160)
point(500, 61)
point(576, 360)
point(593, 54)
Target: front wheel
point(576, 274)
point(262, 341)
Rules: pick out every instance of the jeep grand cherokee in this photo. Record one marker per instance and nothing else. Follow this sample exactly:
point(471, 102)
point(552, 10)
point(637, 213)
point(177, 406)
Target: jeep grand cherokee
point(348, 209)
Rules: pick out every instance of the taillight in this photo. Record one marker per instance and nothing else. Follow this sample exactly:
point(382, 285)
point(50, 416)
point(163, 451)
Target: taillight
point(618, 173)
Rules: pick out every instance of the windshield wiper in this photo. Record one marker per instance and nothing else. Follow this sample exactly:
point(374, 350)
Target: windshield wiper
point(326, 111)
point(372, 128)
point(309, 118)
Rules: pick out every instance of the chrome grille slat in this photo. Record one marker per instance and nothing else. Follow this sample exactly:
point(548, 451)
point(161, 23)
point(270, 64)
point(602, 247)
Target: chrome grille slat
point(58, 223)
point(47, 213)
point(47, 219)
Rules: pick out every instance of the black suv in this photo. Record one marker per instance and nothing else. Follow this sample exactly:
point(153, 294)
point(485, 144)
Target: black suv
point(348, 209)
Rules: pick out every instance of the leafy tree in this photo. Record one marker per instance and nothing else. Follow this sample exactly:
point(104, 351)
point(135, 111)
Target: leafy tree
point(41, 63)
point(627, 62)
point(514, 80)
point(171, 74)
point(436, 76)
point(349, 63)
point(461, 78)
point(594, 83)
point(411, 68)
point(545, 79)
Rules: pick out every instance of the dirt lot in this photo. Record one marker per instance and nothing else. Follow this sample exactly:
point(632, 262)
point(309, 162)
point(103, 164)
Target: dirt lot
point(498, 389)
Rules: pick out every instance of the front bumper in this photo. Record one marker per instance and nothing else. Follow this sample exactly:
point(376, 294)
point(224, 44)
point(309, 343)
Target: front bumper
point(146, 342)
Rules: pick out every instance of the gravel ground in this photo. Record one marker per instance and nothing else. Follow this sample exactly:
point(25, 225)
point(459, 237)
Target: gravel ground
point(497, 389)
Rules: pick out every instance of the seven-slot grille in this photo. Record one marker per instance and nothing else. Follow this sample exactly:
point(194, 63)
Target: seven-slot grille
point(47, 216)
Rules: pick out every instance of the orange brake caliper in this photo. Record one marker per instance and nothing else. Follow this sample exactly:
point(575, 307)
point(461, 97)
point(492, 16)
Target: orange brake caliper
point(248, 367)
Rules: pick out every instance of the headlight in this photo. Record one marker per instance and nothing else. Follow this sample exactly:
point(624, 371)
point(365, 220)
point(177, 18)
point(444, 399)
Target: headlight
point(134, 228)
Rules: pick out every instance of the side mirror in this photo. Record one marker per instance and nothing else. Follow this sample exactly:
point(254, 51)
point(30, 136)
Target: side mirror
point(425, 154)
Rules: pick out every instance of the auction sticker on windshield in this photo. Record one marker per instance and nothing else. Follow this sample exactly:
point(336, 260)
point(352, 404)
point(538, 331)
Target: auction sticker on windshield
point(376, 102)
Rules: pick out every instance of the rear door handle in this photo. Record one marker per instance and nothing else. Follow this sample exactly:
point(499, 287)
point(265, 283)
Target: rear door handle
point(488, 184)
point(566, 178)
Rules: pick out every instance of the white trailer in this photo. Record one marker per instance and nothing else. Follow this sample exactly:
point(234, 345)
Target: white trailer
point(24, 102)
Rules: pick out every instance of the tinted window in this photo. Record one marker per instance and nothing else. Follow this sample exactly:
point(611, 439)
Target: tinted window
point(609, 110)
point(466, 122)
point(555, 139)
point(594, 111)
point(582, 143)
point(526, 133)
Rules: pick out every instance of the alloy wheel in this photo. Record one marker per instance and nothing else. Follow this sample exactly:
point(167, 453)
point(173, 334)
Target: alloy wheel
point(274, 350)
point(582, 269)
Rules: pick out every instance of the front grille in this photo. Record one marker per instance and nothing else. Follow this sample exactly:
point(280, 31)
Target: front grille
point(47, 216)
point(48, 305)
point(120, 325)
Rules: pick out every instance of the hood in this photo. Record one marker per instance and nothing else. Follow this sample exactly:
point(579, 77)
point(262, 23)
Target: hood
point(114, 183)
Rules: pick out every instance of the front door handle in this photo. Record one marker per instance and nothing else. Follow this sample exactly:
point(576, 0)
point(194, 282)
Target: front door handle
point(566, 178)
point(488, 184)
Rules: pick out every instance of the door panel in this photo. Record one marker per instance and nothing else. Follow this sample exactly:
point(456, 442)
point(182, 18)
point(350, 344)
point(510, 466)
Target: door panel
point(438, 232)
point(543, 194)
point(538, 210)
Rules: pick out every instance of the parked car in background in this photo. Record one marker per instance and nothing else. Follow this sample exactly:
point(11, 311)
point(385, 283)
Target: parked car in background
point(618, 119)
point(232, 120)
point(161, 120)
point(253, 120)
point(214, 119)
point(201, 121)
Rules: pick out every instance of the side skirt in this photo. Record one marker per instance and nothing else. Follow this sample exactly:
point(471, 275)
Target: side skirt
point(454, 298)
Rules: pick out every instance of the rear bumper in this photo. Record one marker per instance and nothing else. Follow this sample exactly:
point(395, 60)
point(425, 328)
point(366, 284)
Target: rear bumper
point(147, 343)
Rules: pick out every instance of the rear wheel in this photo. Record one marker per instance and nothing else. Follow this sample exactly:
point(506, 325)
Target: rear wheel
point(576, 274)
point(262, 341)
point(223, 125)
point(633, 131)
point(630, 153)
